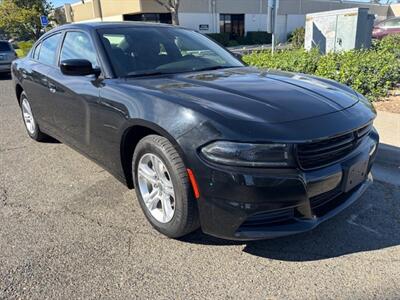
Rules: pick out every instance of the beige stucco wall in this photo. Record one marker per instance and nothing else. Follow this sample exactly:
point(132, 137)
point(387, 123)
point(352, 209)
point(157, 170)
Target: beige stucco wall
point(119, 7)
point(394, 10)
point(152, 6)
point(90, 10)
point(82, 12)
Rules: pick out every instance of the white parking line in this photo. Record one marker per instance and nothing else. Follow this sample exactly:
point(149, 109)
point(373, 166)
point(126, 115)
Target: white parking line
point(353, 218)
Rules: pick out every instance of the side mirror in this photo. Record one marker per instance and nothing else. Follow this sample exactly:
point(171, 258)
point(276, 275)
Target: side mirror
point(78, 67)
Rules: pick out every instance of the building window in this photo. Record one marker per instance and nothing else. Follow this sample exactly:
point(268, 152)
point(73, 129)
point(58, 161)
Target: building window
point(233, 24)
point(150, 17)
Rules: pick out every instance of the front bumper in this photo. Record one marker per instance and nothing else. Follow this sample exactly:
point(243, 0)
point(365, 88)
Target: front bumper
point(249, 204)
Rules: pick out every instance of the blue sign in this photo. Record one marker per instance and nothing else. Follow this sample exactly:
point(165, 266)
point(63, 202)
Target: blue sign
point(44, 21)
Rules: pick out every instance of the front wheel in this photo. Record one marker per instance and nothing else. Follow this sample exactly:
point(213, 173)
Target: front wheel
point(31, 125)
point(162, 187)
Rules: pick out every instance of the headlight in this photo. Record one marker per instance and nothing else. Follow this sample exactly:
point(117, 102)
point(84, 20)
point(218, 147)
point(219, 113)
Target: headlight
point(248, 155)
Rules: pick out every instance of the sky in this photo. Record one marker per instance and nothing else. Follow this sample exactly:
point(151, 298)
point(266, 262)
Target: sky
point(61, 2)
point(57, 3)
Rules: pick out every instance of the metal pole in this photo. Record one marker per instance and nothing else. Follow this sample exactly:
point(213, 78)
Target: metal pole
point(275, 17)
point(273, 31)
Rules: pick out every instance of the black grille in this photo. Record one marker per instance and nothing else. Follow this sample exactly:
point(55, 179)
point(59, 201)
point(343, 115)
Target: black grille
point(269, 218)
point(318, 154)
point(323, 199)
point(324, 203)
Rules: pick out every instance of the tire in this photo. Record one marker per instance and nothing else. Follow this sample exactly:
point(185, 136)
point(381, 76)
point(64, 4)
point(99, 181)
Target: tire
point(185, 216)
point(32, 127)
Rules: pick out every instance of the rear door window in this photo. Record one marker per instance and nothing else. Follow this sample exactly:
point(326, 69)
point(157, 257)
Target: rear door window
point(48, 50)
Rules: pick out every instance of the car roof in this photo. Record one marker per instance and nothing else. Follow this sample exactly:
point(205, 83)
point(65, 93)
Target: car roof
point(99, 25)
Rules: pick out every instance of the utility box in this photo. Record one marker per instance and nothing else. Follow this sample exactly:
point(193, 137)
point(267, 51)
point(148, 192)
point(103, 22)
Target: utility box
point(339, 30)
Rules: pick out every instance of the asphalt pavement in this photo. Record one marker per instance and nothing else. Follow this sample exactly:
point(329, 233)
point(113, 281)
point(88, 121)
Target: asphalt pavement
point(69, 230)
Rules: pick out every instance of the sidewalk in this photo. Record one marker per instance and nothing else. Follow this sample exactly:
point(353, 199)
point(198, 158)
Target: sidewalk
point(388, 126)
point(387, 166)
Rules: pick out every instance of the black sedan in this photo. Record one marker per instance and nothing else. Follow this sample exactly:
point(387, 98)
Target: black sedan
point(205, 140)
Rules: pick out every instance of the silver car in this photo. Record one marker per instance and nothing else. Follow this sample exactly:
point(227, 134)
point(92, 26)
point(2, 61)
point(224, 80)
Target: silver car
point(7, 55)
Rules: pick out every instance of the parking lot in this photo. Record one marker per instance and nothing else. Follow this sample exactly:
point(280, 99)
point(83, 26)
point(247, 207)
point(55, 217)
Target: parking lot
point(70, 230)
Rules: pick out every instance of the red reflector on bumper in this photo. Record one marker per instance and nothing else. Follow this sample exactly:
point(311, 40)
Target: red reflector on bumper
point(194, 183)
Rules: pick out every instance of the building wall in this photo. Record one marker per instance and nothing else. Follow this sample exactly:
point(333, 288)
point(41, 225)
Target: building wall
point(291, 14)
point(287, 24)
point(253, 22)
point(194, 20)
point(302, 7)
point(120, 7)
point(394, 10)
point(193, 13)
point(82, 12)
point(240, 6)
point(197, 6)
point(256, 22)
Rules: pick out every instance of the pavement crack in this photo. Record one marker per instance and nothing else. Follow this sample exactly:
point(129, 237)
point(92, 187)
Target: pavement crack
point(12, 148)
point(3, 196)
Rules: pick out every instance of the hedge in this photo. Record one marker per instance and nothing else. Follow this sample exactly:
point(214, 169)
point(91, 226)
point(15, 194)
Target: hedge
point(370, 72)
point(22, 48)
point(251, 38)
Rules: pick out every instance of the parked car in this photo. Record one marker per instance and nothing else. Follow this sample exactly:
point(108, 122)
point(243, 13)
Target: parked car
point(205, 140)
point(387, 27)
point(7, 55)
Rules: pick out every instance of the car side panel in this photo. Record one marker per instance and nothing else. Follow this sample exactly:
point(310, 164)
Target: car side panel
point(120, 109)
point(34, 78)
point(74, 99)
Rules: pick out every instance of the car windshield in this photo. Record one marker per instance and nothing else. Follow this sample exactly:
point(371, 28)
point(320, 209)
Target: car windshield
point(4, 46)
point(146, 51)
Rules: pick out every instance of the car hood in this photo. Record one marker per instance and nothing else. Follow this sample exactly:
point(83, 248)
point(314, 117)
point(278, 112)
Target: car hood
point(256, 95)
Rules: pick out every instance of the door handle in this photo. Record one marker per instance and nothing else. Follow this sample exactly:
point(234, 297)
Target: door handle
point(52, 88)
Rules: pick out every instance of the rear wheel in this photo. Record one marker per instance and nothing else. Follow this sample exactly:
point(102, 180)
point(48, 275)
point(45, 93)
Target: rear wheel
point(162, 187)
point(31, 125)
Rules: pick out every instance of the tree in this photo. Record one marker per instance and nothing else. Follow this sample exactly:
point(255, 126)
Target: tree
point(173, 7)
point(21, 18)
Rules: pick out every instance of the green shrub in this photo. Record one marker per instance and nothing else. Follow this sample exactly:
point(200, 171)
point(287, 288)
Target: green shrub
point(297, 60)
point(233, 43)
point(390, 43)
point(258, 37)
point(370, 72)
point(222, 38)
point(251, 38)
point(23, 48)
point(296, 38)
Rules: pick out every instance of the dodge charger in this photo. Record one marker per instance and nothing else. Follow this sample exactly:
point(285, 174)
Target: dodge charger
point(205, 140)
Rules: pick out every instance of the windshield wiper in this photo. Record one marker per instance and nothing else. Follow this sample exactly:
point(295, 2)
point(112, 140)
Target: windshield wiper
point(158, 72)
point(148, 73)
point(214, 68)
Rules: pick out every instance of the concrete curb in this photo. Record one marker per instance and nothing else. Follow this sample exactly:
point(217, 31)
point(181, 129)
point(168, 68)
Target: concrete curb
point(388, 155)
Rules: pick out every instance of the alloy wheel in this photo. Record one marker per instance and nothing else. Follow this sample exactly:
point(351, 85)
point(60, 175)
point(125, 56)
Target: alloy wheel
point(156, 187)
point(28, 116)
